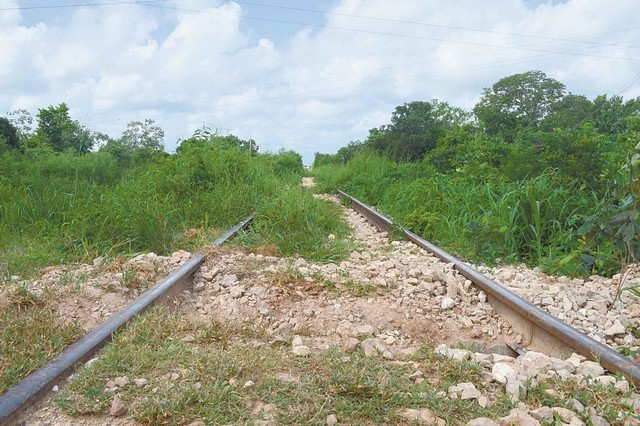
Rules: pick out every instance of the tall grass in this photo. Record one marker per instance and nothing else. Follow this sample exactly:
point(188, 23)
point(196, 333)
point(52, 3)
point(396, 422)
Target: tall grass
point(481, 217)
point(297, 223)
point(60, 207)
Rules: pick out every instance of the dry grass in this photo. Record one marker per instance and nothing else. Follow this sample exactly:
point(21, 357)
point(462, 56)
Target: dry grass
point(223, 373)
point(31, 333)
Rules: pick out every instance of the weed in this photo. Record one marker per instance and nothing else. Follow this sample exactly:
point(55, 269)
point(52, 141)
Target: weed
point(534, 220)
point(66, 278)
point(224, 377)
point(287, 278)
point(360, 289)
point(329, 285)
point(21, 296)
point(29, 327)
point(129, 278)
point(103, 208)
point(300, 225)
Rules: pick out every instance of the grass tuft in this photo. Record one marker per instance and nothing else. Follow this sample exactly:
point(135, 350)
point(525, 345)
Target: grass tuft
point(27, 326)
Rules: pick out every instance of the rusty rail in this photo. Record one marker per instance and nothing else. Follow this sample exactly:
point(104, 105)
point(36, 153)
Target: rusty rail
point(541, 330)
point(17, 399)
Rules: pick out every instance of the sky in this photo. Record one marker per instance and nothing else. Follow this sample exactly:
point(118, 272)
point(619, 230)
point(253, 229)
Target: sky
point(301, 75)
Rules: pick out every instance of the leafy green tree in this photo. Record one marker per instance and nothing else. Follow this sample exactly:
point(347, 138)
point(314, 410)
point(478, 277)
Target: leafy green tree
point(610, 114)
point(205, 136)
point(140, 142)
point(58, 132)
point(8, 134)
point(466, 148)
point(320, 159)
point(575, 154)
point(346, 153)
point(286, 163)
point(22, 120)
point(143, 134)
point(570, 112)
point(517, 102)
point(414, 130)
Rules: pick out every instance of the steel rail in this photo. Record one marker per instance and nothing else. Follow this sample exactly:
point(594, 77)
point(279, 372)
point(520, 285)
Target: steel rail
point(17, 399)
point(541, 330)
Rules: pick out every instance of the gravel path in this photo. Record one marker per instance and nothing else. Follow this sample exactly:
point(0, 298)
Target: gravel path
point(386, 299)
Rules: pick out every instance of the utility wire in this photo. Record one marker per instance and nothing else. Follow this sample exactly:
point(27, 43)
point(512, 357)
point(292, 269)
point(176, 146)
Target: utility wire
point(550, 53)
point(155, 3)
point(332, 27)
point(70, 6)
point(449, 27)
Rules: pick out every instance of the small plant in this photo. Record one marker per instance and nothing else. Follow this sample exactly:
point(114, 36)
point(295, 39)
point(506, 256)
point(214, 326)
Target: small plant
point(27, 326)
point(287, 278)
point(622, 224)
point(360, 289)
point(329, 284)
point(129, 278)
point(21, 296)
point(66, 277)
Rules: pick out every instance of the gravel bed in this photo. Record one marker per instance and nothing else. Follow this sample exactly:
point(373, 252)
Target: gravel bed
point(387, 299)
point(591, 305)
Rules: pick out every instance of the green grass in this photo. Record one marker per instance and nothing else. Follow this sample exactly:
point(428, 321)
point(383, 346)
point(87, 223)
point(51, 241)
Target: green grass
point(218, 377)
point(205, 379)
point(30, 334)
point(58, 208)
point(298, 224)
point(483, 217)
point(359, 289)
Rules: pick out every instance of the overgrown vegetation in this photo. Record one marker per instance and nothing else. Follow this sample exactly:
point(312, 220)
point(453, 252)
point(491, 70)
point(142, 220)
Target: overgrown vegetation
point(533, 174)
point(62, 201)
point(129, 196)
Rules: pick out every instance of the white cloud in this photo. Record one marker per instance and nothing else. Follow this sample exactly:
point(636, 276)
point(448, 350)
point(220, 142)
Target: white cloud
point(202, 62)
point(10, 16)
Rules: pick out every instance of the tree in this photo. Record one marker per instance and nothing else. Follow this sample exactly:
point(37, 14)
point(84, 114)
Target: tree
point(570, 112)
point(8, 133)
point(22, 120)
point(346, 153)
point(206, 135)
point(610, 114)
point(143, 134)
point(575, 153)
point(518, 102)
point(140, 142)
point(414, 130)
point(57, 131)
point(287, 163)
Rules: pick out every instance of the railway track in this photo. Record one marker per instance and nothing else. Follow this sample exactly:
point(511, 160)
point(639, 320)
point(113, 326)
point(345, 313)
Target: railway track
point(541, 331)
point(32, 388)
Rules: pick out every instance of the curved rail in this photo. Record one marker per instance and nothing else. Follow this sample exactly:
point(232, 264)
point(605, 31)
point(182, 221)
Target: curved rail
point(541, 330)
point(20, 397)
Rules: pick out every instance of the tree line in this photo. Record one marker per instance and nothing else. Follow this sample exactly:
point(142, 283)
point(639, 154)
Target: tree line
point(522, 125)
point(54, 131)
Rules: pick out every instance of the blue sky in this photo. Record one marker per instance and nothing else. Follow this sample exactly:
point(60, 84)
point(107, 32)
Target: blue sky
point(309, 76)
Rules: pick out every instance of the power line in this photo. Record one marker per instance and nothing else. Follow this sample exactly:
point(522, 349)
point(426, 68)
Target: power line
point(332, 27)
point(629, 84)
point(549, 54)
point(449, 27)
point(155, 3)
point(75, 5)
